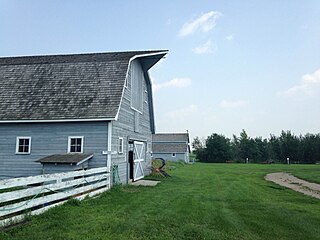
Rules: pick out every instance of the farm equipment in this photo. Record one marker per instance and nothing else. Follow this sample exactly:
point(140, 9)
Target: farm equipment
point(157, 167)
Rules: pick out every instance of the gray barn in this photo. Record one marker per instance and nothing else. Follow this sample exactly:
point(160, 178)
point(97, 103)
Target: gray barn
point(68, 112)
point(171, 146)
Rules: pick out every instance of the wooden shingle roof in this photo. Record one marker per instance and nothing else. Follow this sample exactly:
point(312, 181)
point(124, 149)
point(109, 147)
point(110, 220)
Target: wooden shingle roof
point(170, 137)
point(169, 147)
point(74, 158)
point(66, 87)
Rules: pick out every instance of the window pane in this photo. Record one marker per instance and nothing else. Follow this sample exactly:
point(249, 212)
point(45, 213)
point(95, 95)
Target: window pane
point(20, 149)
point(73, 141)
point(72, 148)
point(26, 148)
point(79, 148)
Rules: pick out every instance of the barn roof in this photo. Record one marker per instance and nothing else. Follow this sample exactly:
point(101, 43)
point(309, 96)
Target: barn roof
point(169, 147)
point(66, 87)
point(170, 137)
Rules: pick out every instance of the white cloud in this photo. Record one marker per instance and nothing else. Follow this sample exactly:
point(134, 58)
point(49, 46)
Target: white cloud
point(232, 103)
point(204, 23)
point(173, 83)
point(204, 48)
point(182, 113)
point(309, 86)
point(230, 37)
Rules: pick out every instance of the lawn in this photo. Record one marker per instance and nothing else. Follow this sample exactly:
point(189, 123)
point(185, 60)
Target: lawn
point(201, 201)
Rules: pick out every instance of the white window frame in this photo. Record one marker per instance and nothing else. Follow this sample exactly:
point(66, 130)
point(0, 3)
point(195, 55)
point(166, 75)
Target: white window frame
point(174, 155)
point(17, 145)
point(120, 145)
point(69, 143)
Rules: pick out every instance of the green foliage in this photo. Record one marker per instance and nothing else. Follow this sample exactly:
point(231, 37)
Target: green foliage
point(217, 148)
point(199, 201)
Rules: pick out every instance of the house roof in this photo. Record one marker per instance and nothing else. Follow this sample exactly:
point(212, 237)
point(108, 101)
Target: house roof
point(74, 158)
point(170, 137)
point(66, 87)
point(169, 147)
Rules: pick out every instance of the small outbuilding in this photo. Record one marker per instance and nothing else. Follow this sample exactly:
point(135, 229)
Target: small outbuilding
point(171, 146)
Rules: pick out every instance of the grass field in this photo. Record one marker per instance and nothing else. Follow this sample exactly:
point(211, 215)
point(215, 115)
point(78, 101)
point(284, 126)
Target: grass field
point(201, 201)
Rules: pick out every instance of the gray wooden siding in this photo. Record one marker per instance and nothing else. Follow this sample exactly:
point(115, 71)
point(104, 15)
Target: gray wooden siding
point(47, 139)
point(62, 167)
point(168, 156)
point(125, 126)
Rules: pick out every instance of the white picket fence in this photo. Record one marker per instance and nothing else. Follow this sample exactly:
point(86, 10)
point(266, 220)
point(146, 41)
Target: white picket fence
point(36, 194)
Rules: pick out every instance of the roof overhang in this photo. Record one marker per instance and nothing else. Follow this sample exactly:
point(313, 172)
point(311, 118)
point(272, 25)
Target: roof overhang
point(69, 158)
point(58, 120)
point(149, 60)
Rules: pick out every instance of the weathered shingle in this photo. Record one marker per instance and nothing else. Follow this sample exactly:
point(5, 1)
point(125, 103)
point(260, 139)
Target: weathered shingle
point(169, 147)
point(170, 137)
point(66, 158)
point(62, 87)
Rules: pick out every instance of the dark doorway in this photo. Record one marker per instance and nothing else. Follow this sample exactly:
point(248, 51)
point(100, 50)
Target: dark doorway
point(131, 164)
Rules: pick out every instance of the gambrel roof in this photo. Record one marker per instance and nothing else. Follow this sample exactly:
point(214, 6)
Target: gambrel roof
point(67, 87)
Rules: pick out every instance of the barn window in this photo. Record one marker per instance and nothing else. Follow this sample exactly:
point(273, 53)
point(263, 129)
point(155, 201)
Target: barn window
point(23, 145)
point(120, 145)
point(75, 144)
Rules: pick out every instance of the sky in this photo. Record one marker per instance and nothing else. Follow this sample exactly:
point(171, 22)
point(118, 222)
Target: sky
point(232, 65)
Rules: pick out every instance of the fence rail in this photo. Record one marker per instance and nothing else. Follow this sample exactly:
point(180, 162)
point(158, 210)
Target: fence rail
point(36, 194)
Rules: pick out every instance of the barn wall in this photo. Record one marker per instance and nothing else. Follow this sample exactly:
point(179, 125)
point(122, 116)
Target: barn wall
point(47, 139)
point(168, 156)
point(132, 124)
point(62, 167)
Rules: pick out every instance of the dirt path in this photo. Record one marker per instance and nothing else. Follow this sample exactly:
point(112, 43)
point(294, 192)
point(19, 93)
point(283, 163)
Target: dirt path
point(297, 184)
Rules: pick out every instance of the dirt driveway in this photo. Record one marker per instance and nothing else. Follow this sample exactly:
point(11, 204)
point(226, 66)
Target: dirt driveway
point(297, 184)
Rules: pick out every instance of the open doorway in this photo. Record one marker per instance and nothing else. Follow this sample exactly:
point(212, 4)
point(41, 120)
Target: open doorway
point(136, 158)
point(131, 165)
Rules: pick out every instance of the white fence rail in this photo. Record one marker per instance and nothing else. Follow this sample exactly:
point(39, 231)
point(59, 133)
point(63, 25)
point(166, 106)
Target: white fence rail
point(36, 194)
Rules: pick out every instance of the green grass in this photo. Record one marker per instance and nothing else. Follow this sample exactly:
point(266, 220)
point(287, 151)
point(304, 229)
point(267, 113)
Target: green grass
point(200, 201)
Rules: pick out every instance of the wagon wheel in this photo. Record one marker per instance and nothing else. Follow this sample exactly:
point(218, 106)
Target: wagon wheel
point(157, 168)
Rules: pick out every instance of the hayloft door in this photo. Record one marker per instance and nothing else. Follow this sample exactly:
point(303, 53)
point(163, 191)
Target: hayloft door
point(139, 154)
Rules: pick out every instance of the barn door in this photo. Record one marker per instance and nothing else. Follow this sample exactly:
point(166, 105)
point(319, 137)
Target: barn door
point(139, 154)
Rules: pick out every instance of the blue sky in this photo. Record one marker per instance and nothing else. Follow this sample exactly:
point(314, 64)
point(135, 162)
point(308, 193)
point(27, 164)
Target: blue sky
point(232, 65)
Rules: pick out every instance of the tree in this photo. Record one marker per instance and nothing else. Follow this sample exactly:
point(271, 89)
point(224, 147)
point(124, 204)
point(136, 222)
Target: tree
point(198, 146)
point(310, 148)
point(247, 147)
point(218, 148)
point(289, 147)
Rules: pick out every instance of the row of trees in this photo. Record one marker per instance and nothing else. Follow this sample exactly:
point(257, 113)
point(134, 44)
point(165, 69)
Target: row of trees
point(298, 149)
